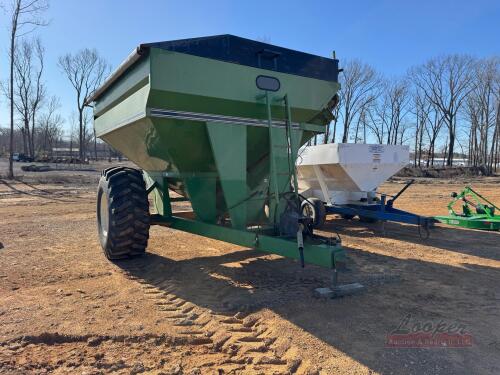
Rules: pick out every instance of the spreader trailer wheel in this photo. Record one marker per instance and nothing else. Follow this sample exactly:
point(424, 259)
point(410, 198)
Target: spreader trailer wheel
point(122, 213)
point(315, 209)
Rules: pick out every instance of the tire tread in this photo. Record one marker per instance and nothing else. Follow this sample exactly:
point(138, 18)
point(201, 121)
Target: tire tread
point(128, 231)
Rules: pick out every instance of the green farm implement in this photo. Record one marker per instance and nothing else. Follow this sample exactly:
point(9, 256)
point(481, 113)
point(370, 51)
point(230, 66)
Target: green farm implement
point(218, 120)
point(477, 211)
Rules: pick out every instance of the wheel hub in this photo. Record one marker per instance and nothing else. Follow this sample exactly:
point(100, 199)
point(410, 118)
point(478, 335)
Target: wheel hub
point(104, 215)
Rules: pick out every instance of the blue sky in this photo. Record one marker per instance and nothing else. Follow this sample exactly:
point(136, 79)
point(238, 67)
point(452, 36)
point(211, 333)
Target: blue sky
point(388, 34)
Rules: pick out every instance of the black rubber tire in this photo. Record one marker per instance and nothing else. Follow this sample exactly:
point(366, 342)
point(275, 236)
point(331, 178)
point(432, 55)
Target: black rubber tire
point(315, 208)
point(347, 216)
point(122, 213)
point(365, 219)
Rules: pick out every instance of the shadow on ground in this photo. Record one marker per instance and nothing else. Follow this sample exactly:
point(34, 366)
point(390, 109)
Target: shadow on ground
point(34, 191)
point(462, 241)
point(247, 281)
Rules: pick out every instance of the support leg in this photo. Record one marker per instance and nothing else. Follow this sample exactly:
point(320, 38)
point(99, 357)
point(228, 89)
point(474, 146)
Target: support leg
point(338, 290)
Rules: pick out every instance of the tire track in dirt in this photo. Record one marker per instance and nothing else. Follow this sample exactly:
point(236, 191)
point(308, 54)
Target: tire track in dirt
point(242, 340)
point(68, 354)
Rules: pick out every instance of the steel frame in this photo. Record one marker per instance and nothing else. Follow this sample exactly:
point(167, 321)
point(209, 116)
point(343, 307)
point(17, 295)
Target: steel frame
point(381, 211)
point(468, 219)
point(318, 251)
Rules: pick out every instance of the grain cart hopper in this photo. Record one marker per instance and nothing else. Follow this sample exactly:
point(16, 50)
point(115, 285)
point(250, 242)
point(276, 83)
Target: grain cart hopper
point(342, 178)
point(218, 120)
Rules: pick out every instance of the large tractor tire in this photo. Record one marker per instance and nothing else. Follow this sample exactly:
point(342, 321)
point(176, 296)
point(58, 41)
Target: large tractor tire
point(122, 213)
point(315, 209)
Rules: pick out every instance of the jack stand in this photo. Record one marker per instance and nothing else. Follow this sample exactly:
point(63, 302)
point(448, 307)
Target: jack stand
point(338, 290)
point(382, 228)
point(300, 244)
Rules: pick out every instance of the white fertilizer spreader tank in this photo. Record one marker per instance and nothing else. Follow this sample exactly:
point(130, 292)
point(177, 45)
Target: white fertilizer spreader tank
point(343, 178)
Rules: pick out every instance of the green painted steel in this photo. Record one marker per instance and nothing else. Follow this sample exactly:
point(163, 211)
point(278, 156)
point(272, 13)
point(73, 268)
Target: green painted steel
point(322, 254)
point(148, 115)
point(471, 222)
point(202, 128)
point(231, 162)
point(483, 218)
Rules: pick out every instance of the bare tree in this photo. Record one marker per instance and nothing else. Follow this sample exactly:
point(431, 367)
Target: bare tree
point(360, 123)
point(428, 122)
point(29, 90)
point(39, 91)
point(359, 82)
point(5, 139)
point(421, 109)
point(446, 81)
point(25, 17)
point(73, 132)
point(86, 71)
point(88, 132)
point(336, 114)
point(480, 109)
point(331, 117)
point(399, 99)
point(23, 66)
point(433, 128)
point(378, 116)
point(51, 127)
point(387, 113)
point(473, 113)
point(495, 146)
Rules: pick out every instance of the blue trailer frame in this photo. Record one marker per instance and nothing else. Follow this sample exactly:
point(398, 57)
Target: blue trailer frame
point(383, 211)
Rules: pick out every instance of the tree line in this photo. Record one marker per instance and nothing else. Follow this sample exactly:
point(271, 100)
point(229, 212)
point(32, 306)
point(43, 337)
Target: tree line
point(448, 105)
point(35, 121)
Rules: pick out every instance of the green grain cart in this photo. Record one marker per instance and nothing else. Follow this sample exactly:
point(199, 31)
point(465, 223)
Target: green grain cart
point(218, 120)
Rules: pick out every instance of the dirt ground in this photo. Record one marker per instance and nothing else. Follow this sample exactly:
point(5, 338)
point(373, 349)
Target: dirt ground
point(198, 306)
